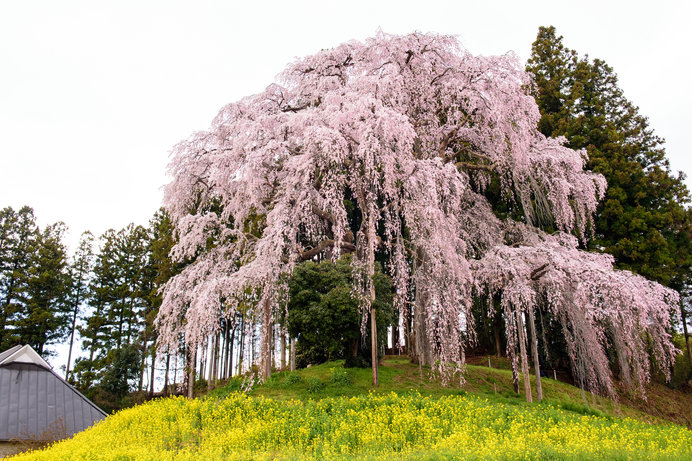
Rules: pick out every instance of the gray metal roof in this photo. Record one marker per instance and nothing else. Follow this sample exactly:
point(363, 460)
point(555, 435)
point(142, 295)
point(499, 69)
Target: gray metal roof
point(37, 404)
point(8, 352)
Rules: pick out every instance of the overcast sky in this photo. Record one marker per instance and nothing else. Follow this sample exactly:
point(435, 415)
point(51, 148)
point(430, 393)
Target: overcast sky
point(93, 95)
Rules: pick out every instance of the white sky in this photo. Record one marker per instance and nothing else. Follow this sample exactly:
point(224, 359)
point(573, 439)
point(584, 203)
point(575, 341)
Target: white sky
point(93, 95)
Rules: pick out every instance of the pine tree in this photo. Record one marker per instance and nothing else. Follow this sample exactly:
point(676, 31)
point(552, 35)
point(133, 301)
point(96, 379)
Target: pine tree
point(45, 319)
point(644, 221)
point(641, 219)
point(80, 275)
point(17, 252)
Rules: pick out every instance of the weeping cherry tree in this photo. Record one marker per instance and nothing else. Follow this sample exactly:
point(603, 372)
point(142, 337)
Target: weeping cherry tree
point(411, 130)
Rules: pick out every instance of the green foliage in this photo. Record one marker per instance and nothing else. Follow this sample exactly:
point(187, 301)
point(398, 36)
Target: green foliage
point(682, 370)
point(642, 221)
point(340, 377)
point(324, 315)
point(315, 384)
point(292, 378)
point(34, 281)
point(46, 318)
point(123, 366)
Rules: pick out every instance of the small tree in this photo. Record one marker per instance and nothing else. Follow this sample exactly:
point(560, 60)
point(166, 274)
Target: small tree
point(323, 313)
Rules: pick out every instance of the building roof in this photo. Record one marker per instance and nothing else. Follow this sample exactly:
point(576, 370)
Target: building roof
point(36, 403)
point(23, 354)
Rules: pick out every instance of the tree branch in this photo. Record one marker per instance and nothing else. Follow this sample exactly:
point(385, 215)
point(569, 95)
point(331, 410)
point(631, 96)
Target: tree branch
point(475, 166)
point(539, 272)
point(323, 245)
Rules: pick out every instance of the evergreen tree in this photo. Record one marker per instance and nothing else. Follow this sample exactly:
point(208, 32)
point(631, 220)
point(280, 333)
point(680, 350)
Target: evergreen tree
point(80, 275)
point(158, 270)
point(95, 332)
point(18, 241)
point(642, 221)
point(45, 319)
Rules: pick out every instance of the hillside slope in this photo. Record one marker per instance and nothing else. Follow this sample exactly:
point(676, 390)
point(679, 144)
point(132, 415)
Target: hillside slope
point(397, 374)
point(328, 412)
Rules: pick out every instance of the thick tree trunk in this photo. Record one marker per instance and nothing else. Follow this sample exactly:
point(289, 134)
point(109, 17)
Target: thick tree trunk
point(515, 380)
point(497, 327)
point(266, 340)
point(395, 337)
point(423, 351)
point(534, 353)
point(203, 360)
point(545, 341)
point(373, 311)
point(524, 357)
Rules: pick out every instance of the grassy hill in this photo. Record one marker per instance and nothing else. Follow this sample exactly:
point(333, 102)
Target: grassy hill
point(328, 412)
point(397, 374)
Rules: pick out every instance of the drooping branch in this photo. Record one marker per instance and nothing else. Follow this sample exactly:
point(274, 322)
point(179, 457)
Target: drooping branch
point(389, 121)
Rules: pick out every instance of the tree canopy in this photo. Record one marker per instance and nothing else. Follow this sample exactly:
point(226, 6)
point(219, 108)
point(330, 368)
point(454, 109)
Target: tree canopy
point(414, 132)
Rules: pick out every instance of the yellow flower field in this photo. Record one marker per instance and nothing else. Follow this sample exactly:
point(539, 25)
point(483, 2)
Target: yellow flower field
point(374, 426)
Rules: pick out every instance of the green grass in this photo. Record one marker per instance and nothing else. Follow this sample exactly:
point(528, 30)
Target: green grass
point(397, 374)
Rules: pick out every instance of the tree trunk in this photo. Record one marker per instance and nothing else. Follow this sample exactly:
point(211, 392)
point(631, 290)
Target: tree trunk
point(153, 370)
point(192, 357)
point(524, 357)
point(534, 353)
point(74, 326)
point(373, 333)
point(545, 341)
point(293, 354)
point(266, 341)
point(515, 380)
point(142, 366)
point(215, 367)
point(395, 336)
point(283, 350)
point(421, 337)
point(224, 352)
point(229, 365)
point(497, 326)
point(165, 376)
point(371, 296)
point(203, 360)
point(241, 344)
point(175, 370)
point(684, 329)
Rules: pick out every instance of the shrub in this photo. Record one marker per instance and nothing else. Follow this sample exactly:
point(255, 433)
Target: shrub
point(340, 377)
point(292, 378)
point(315, 384)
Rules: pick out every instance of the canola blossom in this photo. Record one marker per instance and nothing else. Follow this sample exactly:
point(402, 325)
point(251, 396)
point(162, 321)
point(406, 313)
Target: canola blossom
point(375, 426)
